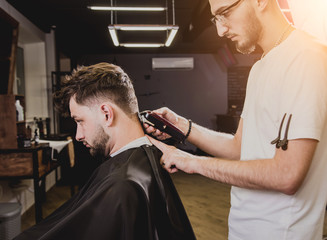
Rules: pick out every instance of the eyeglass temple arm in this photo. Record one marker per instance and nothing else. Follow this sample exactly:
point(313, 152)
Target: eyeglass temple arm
point(284, 142)
point(279, 131)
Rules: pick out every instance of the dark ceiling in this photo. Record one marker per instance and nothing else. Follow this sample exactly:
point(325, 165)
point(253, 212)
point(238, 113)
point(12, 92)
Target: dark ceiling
point(80, 30)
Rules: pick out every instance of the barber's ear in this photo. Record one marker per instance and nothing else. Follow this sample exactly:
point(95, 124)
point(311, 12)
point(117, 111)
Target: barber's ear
point(108, 113)
point(262, 4)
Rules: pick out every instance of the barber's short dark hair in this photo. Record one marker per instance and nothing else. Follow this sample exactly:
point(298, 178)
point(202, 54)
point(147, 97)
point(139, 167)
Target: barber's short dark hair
point(95, 82)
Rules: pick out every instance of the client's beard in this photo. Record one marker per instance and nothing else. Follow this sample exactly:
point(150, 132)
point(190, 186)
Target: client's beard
point(98, 149)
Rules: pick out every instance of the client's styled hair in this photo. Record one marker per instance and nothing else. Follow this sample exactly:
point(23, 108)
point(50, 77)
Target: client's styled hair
point(95, 82)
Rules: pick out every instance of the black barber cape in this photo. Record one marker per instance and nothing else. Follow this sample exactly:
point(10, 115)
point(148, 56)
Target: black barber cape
point(128, 197)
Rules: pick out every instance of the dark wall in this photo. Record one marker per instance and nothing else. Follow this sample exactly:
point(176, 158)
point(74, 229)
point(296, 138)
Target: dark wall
point(8, 44)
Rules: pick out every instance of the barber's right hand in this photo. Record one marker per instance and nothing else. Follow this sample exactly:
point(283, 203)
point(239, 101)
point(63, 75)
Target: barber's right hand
point(166, 113)
point(174, 159)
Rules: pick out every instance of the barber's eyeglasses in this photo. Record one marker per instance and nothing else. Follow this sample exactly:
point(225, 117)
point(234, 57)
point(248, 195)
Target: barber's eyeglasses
point(223, 15)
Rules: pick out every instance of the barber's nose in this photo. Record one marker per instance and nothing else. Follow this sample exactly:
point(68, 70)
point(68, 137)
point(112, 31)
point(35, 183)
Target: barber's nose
point(221, 29)
point(79, 134)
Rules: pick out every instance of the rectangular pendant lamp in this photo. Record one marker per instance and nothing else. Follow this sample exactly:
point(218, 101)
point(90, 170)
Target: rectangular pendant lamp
point(124, 27)
point(142, 45)
point(108, 8)
point(113, 28)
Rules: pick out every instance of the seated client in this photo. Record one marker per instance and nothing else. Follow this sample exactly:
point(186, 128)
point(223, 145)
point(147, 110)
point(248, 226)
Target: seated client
point(129, 196)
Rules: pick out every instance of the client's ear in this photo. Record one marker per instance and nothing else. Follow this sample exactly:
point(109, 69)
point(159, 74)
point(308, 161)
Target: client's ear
point(107, 113)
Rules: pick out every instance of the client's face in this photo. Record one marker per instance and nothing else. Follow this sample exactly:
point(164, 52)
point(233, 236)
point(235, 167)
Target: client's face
point(89, 130)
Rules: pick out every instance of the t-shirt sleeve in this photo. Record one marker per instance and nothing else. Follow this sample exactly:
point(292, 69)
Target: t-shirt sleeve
point(304, 95)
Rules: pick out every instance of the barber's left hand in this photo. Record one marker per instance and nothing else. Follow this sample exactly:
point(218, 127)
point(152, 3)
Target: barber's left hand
point(174, 159)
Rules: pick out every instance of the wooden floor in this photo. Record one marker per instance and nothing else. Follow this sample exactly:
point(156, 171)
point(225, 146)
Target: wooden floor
point(206, 202)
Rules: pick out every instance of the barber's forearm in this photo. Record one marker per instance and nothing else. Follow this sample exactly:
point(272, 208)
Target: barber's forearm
point(264, 174)
point(254, 174)
point(212, 142)
point(285, 172)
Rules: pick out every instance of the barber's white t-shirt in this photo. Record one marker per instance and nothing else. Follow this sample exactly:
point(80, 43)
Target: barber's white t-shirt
point(291, 79)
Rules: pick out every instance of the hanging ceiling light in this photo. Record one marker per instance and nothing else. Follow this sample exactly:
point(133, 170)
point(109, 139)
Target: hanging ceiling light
point(141, 45)
point(113, 28)
point(172, 29)
point(110, 8)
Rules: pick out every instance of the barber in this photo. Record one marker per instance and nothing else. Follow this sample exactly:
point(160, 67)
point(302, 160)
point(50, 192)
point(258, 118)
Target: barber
point(277, 160)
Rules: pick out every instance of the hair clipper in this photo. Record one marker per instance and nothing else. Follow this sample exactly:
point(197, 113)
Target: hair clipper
point(162, 124)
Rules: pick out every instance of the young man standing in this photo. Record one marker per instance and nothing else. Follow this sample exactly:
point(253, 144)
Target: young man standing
point(277, 160)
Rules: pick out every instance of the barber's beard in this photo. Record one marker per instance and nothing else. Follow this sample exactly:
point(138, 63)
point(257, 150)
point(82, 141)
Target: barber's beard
point(98, 148)
point(252, 32)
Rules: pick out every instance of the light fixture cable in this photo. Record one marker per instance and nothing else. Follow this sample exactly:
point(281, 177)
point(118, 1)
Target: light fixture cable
point(167, 22)
point(173, 7)
point(112, 12)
